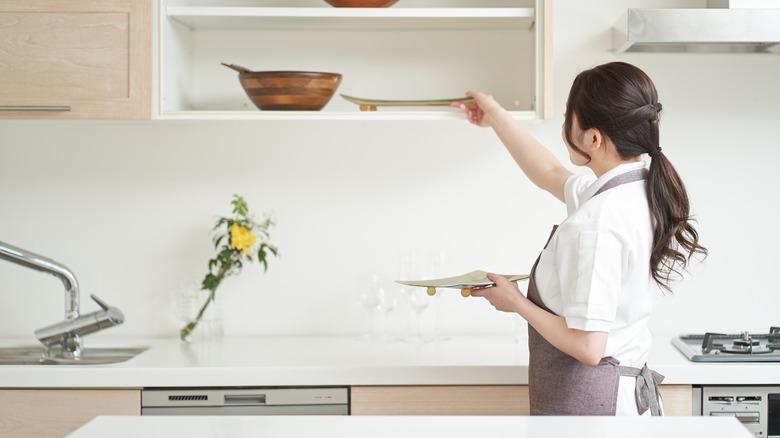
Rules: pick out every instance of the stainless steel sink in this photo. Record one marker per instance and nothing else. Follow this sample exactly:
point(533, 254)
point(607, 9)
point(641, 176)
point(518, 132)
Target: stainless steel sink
point(36, 355)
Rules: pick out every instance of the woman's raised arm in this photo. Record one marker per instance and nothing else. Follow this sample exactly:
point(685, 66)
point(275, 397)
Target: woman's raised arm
point(536, 161)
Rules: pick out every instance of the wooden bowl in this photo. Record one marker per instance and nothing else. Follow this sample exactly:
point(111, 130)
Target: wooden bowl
point(362, 3)
point(288, 90)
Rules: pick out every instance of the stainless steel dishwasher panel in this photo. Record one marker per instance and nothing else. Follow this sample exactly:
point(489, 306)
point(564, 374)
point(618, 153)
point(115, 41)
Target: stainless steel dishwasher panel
point(245, 401)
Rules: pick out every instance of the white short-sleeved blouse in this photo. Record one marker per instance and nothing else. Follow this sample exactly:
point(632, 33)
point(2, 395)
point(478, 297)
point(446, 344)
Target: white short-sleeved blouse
point(595, 271)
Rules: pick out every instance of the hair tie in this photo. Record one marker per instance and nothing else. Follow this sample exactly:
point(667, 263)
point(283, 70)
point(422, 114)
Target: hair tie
point(658, 107)
point(655, 152)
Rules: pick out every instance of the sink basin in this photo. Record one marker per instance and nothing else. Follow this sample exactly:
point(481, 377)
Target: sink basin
point(36, 355)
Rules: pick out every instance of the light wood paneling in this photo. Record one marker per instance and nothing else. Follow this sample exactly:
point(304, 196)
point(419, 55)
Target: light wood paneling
point(474, 400)
point(546, 74)
point(92, 56)
point(439, 400)
point(677, 399)
point(58, 412)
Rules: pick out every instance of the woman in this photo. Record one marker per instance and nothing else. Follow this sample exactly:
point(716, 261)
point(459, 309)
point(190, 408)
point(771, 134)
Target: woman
point(628, 231)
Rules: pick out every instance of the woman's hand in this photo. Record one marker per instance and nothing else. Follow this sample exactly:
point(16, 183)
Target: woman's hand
point(586, 347)
point(504, 296)
point(481, 111)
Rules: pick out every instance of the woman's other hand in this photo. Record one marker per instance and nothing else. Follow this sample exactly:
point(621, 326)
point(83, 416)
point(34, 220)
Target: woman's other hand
point(586, 347)
point(480, 112)
point(504, 295)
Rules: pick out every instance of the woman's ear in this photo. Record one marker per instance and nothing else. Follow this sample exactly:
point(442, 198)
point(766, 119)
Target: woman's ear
point(593, 140)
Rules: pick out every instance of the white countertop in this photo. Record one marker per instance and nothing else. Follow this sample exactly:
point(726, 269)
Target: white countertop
point(327, 360)
point(417, 426)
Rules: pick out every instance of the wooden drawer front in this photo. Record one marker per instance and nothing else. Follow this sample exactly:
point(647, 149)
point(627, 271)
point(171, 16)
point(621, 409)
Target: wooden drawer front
point(58, 412)
point(439, 400)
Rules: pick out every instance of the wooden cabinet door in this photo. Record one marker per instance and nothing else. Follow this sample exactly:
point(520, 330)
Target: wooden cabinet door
point(677, 399)
point(439, 400)
point(58, 412)
point(474, 400)
point(92, 57)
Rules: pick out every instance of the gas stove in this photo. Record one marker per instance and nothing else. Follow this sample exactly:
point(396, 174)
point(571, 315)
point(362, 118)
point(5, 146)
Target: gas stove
point(719, 347)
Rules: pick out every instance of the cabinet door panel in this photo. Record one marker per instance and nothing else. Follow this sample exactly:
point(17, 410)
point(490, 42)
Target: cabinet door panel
point(677, 399)
point(474, 400)
point(58, 412)
point(439, 400)
point(91, 57)
point(64, 55)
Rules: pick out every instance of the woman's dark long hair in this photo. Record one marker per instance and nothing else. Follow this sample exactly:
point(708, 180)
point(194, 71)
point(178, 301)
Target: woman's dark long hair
point(621, 102)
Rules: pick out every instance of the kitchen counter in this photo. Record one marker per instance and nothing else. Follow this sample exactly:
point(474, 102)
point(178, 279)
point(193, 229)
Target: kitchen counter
point(416, 426)
point(321, 361)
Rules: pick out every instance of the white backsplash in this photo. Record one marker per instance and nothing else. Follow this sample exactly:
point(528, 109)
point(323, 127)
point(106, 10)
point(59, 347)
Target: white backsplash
point(128, 205)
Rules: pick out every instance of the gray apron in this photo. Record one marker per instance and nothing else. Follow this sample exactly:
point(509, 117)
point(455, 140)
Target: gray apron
point(561, 385)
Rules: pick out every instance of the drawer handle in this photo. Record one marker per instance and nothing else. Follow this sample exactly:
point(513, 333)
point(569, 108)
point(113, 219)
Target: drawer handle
point(34, 108)
point(258, 399)
point(748, 417)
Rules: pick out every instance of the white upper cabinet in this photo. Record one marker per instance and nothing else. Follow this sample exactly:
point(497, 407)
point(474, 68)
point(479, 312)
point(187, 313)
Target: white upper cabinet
point(414, 50)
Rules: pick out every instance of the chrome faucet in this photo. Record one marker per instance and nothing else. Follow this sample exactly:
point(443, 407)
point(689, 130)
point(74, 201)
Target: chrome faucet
point(64, 338)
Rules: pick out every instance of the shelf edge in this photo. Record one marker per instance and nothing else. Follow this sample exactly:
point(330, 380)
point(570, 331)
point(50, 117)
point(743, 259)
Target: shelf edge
point(326, 116)
point(303, 12)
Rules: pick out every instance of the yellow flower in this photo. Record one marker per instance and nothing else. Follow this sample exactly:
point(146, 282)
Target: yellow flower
point(241, 238)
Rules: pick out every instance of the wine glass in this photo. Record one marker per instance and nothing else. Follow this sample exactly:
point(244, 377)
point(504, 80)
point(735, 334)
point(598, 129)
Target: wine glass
point(387, 295)
point(369, 299)
point(435, 266)
point(418, 300)
point(415, 266)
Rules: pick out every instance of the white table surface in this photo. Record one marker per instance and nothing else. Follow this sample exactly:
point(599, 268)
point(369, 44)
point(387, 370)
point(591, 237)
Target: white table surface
point(340, 360)
point(409, 427)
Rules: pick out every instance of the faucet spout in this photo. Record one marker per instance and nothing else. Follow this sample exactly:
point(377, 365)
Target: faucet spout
point(64, 337)
point(67, 334)
point(34, 261)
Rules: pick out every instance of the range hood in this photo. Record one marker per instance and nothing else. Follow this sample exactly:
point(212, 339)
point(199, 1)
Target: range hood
point(730, 26)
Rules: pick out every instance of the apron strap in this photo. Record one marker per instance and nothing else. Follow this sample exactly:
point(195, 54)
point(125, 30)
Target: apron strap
point(646, 391)
point(623, 178)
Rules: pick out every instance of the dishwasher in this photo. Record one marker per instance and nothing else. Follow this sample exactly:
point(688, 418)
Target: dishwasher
point(246, 401)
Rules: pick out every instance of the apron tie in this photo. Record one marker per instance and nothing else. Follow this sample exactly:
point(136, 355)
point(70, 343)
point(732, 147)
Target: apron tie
point(646, 390)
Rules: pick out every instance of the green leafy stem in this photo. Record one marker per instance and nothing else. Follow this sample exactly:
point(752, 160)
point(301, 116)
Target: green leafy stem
point(230, 260)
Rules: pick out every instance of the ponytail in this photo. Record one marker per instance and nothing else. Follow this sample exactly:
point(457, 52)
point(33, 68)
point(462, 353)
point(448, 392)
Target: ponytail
point(675, 240)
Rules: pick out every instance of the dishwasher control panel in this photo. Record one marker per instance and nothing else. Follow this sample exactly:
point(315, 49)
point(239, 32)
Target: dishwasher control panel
point(246, 401)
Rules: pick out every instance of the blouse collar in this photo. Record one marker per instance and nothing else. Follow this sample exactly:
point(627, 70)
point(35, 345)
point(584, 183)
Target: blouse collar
point(615, 171)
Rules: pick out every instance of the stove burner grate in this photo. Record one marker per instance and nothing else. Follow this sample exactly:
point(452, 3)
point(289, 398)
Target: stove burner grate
point(713, 343)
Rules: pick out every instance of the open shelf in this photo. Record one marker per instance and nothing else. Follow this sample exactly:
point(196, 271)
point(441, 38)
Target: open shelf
point(383, 53)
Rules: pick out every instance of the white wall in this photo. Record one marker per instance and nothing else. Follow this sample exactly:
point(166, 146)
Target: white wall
point(128, 206)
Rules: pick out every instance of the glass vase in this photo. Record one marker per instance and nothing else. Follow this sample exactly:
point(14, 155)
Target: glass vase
point(202, 309)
